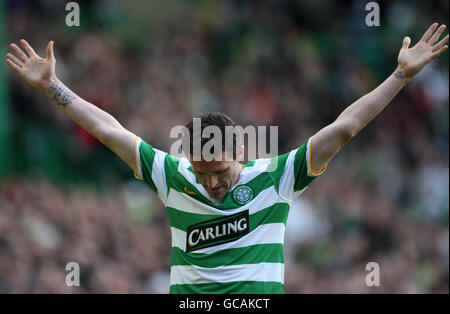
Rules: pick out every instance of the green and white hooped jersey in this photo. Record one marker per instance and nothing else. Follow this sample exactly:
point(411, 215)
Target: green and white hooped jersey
point(236, 246)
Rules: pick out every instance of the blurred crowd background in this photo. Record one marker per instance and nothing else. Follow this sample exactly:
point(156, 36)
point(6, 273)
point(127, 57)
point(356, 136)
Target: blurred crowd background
point(153, 65)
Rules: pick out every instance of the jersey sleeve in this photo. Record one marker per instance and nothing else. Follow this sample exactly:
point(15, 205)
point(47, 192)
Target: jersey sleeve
point(154, 167)
point(297, 174)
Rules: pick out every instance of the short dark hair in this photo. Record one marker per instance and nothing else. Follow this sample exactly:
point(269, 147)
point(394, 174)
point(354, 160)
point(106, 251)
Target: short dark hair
point(219, 120)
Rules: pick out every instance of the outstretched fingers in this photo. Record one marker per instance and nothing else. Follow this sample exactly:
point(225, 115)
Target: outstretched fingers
point(437, 53)
point(50, 54)
point(14, 66)
point(28, 48)
point(406, 42)
point(22, 56)
point(429, 32)
point(14, 60)
point(440, 44)
point(436, 35)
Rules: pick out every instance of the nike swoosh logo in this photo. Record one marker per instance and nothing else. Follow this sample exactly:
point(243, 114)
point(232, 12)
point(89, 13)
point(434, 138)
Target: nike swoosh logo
point(187, 191)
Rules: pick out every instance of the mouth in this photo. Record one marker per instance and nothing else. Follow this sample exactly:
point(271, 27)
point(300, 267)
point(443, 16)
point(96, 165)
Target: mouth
point(217, 190)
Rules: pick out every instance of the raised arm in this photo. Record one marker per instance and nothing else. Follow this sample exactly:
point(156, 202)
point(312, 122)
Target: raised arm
point(40, 73)
point(329, 140)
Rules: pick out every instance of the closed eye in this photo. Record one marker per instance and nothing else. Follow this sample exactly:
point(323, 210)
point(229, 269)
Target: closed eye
point(221, 171)
point(215, 172)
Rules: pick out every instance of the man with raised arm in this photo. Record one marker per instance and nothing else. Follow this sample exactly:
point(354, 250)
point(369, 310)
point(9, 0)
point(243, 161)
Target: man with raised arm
point(227, 220)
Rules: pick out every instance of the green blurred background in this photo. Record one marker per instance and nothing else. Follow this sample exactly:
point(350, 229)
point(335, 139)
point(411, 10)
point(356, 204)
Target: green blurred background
point(155, 64)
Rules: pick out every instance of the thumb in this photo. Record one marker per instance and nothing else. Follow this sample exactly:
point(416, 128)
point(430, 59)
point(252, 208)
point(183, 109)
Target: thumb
point(406, 42)
point(50, 50)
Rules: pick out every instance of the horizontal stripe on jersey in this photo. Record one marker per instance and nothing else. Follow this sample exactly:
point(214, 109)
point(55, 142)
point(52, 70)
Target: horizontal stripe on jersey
point(233, 287)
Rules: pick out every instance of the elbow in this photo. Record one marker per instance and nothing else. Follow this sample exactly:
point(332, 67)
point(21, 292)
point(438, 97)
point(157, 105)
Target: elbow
point(348, 134)
point(346, 131)
point(102, 134)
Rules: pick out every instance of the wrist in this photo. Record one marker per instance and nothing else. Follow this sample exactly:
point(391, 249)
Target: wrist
point(46, 84)
point(401, 74)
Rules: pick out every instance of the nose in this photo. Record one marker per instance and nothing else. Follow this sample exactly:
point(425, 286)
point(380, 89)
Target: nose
point(212, 181)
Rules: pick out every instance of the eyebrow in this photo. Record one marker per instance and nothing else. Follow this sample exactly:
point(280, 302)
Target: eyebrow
point(218, 171)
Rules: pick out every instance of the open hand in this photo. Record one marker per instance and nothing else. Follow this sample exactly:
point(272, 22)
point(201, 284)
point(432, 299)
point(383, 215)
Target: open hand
point(37, 71)
point(412, 60)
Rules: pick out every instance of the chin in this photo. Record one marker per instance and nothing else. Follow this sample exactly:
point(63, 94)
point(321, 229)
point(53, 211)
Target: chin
point(218, 196)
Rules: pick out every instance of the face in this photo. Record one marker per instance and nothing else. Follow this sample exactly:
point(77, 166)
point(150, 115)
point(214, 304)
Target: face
point(217, 177)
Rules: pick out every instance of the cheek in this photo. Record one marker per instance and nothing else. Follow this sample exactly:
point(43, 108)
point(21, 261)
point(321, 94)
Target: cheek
point(226, 177)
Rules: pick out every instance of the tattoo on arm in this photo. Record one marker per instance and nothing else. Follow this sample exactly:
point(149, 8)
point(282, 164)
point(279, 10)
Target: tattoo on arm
point(60, 95)
point(399, 75)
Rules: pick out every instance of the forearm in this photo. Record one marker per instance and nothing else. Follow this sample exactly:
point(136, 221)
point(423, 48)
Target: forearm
point(365, 109)
point(91, 118)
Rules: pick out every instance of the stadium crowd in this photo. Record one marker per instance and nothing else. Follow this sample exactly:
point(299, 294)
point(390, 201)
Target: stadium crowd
point(384, 198)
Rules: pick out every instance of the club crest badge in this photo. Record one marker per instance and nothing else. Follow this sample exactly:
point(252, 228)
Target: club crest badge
point(243, 194)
